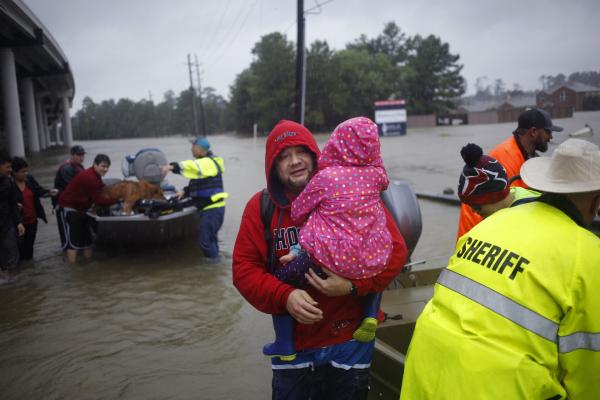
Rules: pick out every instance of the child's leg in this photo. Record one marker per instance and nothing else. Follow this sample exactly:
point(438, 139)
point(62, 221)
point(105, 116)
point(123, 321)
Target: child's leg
point(368, 326)
point(293, 272)
point(283, 346)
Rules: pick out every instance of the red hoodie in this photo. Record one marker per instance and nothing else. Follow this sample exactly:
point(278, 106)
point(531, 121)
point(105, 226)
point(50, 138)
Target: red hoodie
point(83, 191)
point(341, 315)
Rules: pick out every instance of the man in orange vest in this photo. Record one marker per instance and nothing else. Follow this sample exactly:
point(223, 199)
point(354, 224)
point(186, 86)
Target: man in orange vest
point(534, 131)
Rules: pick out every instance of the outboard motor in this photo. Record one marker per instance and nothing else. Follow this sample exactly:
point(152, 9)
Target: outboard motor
point(402, 203)
point(145, 164)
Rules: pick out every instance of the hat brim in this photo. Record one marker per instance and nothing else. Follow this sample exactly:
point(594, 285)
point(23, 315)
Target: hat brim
point(535, 174)
point(555, 128)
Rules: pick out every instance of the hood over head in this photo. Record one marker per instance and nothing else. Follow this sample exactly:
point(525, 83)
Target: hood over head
point(354, 142)
point(285, 134)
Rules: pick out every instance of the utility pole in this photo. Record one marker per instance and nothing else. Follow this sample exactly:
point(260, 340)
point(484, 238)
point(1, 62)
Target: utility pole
point(200, 97)
point(193, 93)
point(300, 75)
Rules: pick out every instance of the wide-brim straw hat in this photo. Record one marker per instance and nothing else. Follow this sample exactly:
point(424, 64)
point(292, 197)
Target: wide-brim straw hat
point(574, 167)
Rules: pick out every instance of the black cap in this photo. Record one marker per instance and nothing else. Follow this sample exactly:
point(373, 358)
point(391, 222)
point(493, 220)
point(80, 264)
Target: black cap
point(537, 118)
point(77, 150)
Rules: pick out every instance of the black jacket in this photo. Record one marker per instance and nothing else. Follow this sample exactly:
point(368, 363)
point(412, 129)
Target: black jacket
point(9, 212)
point(38, 192)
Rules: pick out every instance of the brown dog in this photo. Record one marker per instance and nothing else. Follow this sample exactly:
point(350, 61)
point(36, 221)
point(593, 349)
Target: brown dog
point(130, 192)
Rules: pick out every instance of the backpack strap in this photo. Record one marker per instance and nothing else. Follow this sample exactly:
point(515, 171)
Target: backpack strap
point(267, 208)
point(219, 171)
point(524, 200)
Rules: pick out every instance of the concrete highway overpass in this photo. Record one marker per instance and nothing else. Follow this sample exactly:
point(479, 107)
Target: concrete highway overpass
point(36, 83)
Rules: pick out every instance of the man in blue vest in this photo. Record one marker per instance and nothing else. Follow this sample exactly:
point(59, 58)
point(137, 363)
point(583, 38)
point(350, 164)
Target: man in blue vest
point(205, 172)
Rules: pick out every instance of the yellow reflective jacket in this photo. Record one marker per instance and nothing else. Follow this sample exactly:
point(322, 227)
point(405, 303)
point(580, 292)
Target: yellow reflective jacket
point(206, 181)
point(516, 315)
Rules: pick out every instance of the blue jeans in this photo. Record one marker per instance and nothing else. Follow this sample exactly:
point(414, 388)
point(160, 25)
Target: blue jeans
point(338, 372)
point(323, 383)
point(210, 223)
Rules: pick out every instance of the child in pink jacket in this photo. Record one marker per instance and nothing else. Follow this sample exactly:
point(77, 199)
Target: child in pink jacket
point(344, 223)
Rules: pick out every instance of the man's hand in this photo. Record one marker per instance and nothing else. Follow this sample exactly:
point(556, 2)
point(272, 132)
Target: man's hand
point(333, 286)
point(165, 169)
point(303, 308)
point(20, 230)
point(53, 192)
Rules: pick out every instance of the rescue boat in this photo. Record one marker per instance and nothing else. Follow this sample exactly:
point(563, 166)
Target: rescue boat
point(154, 221)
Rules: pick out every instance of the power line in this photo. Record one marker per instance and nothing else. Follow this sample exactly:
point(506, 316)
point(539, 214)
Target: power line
point(232, 39)
point(227, 35)
point(211, 42)
point(318, 6)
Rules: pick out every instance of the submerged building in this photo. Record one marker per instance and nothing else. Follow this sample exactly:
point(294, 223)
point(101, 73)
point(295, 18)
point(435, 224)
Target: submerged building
point(36, 83)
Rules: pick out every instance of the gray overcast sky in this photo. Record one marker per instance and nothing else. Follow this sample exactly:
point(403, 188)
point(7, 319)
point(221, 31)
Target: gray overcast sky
point(127, 48)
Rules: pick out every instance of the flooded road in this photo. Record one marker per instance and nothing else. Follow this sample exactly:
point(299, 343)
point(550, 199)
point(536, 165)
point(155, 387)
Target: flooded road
point(157, 324)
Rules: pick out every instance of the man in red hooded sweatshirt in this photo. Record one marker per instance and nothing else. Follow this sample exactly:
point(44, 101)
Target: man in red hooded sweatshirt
point(329, 363)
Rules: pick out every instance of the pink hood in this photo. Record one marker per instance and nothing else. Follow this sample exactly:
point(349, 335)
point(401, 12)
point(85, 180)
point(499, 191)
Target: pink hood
point(354, 142)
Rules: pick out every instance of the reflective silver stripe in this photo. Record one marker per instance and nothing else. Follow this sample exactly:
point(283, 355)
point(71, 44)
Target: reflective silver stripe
point(292, 366)
point(579, 340)
point(500, 304)
point(197, 162)
point(348, 367)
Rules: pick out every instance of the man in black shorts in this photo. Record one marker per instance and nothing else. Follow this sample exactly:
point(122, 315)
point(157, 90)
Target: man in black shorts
point(81, 193)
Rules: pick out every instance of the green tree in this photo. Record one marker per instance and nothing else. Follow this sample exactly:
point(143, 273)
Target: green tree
point(214, 110)
point(588, 77)
point(274, 79)
point(431, 78)
point(264, 93)
point(240, 109)
point(361, 79)
point(320, 87)
point(392, 42)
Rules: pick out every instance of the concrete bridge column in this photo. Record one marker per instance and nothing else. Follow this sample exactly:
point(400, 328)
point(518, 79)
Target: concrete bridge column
point(46, 126)
point(30, 115)
point(10, 96)
point(40, 123)
point(67, 130)
point(59, 137)
point(52, 134)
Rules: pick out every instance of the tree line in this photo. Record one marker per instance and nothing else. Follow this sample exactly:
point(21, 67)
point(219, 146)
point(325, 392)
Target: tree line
point(550, 82)
point(339, 84)
point(126, 118)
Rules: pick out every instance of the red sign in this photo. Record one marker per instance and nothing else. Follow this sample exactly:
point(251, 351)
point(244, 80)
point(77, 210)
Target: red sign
point(390, 103)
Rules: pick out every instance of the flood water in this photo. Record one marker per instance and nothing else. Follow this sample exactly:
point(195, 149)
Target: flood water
point(157, 323)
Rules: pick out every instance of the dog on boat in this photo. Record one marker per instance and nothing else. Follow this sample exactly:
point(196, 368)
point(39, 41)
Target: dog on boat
point(130, 192)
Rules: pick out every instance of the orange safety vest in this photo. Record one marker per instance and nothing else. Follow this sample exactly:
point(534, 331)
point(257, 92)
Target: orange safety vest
point(509, 154)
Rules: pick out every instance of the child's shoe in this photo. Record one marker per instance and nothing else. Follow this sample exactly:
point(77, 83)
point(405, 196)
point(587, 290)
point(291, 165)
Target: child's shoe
point(366, 331)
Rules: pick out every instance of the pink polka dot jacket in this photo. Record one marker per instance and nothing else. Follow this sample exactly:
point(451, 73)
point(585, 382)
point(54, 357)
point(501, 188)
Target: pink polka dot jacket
point(345, 227)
